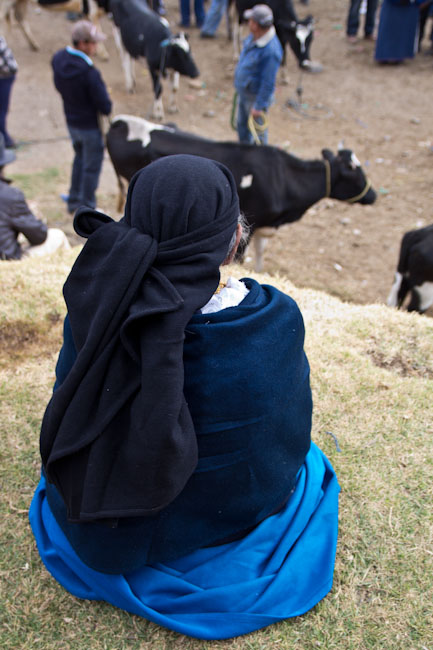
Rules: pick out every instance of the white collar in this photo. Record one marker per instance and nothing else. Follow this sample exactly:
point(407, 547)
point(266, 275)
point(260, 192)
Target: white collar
point(79, 53)
point(231, 294)
point(268, 36)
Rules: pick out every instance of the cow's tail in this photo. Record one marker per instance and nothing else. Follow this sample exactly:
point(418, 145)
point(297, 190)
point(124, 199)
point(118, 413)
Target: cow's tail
point(121, 194)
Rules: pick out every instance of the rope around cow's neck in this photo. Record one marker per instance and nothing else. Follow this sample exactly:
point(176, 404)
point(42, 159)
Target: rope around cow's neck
point(328, 188)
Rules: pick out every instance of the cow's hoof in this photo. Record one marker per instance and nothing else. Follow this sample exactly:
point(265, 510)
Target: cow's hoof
point(173, 109)
point(195, 83)
point(154, 115)
point(312, 66)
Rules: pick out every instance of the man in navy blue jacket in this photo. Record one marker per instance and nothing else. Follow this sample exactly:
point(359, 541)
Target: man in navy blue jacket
point(84, 97)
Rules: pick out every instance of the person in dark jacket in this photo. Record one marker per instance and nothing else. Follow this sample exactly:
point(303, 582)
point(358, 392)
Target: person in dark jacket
point(85, 97)
point(179, 478)
point(15, 215)
point(18, 221)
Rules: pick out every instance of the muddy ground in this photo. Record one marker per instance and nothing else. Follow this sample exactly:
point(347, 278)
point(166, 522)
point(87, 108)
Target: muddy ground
point(383, 113)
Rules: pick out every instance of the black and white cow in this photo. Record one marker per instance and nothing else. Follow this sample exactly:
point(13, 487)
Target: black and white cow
point(143, 33)
point(414, 271)
point(292, 31)
point(274, 187)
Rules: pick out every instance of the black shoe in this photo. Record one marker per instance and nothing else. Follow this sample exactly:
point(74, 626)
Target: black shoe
point(206, 35)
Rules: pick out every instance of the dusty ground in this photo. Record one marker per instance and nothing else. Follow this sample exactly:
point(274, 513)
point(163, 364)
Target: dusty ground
point(383, 113)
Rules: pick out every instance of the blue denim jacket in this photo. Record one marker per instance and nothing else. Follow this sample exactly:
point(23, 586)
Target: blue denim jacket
point(257, 70)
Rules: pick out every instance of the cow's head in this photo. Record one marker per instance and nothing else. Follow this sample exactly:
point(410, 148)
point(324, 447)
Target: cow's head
point(179, 56)
point(299, 35)
point(347, 180)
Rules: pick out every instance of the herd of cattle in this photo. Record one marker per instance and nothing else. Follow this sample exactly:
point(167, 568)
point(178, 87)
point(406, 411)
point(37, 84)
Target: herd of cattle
point(274, 187)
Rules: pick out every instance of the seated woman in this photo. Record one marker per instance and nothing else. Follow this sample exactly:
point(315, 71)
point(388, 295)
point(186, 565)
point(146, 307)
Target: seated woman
point(179, 480)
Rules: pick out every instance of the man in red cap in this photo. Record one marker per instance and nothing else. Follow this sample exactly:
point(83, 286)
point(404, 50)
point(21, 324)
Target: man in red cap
point(85, 97)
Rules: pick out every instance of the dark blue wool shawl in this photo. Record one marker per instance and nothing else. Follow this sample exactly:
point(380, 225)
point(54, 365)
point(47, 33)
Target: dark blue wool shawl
point(117, 438)
point(247, 388)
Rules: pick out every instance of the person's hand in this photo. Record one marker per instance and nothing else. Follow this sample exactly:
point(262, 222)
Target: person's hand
point(255, 113)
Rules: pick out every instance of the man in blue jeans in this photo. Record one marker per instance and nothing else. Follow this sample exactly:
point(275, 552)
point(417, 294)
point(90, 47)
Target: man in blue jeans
point(84, 97)
point(353, 20)
point(256, 71)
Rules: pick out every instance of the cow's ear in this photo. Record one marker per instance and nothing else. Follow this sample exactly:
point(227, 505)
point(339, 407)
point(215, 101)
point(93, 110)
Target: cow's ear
point(327, 154)
point(86, 221)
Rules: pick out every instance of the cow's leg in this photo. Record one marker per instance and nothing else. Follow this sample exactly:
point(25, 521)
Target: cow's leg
point(236, 40)
point(283, 75)
point(392, 300)
point(95, 14)
point(174, 87)
point(157, 109)
point(157, 112)
point(20, 13)
point(125, 60)
point(259, 249)
point(414, 303)
point(261, 237)
point(230, 19)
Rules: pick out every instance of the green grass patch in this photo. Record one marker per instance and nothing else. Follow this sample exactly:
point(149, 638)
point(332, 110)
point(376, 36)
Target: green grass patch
point(31, 184)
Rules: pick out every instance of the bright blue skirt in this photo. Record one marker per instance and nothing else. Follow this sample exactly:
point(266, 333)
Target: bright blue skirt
point(279, 570)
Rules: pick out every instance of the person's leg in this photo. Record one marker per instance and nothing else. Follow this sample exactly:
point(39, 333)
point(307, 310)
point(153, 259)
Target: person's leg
point(93, 154)
point(353, 18)
point(159, 7)
point(5, 93)
point(75, 197)
point(184, 13)
point(244, 106)
point(213, 17)
point(199, 12)
point(370, 18)
point(263, 136)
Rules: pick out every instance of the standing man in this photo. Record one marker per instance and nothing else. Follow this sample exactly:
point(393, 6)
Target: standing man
point(84, 97)
point(256, 71)
point(353, 20)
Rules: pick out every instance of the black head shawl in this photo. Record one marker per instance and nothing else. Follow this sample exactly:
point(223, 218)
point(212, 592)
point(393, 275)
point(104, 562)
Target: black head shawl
point(117, 437)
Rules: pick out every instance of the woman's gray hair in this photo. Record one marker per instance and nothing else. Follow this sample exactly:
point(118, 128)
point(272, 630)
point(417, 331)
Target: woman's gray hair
point(244, 236)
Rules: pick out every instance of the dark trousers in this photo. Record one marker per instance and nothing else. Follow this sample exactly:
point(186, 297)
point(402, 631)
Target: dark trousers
point(353, 17)
point(5, 93)
point(86, 168)
point(185, 12)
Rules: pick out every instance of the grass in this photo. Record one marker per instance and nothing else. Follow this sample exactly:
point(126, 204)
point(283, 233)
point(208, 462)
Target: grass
point(30, 184)
point(372, 379)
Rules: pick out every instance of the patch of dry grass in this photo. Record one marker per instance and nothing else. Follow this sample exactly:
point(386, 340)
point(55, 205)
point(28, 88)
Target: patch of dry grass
point(372, 378)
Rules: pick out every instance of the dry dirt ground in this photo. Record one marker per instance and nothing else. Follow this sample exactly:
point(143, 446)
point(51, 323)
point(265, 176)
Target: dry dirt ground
point(383, 113)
